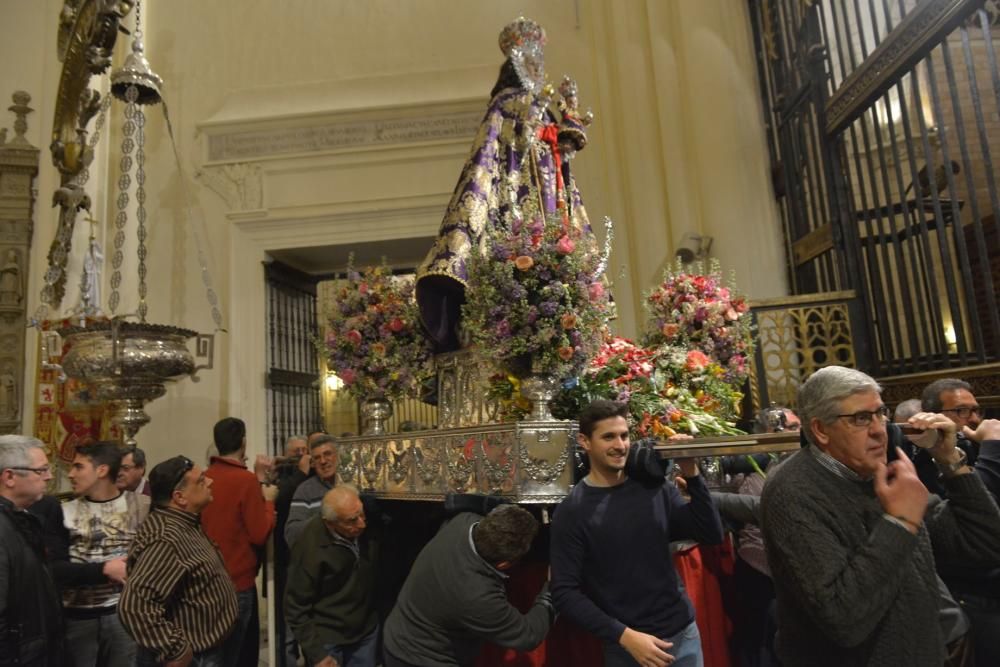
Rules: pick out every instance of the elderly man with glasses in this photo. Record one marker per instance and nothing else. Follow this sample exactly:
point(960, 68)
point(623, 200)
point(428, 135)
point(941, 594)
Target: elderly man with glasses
point(852, 539)
point(179, 603)
point(31, 630)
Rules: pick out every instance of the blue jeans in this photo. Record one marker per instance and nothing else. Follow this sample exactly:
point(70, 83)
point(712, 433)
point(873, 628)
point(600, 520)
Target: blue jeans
point(99, 641)
point(246, 620)
point(359, 654)
point(686, 650)
point(213, 657)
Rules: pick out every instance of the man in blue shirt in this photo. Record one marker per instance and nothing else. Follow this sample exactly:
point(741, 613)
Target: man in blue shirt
point(612, 573)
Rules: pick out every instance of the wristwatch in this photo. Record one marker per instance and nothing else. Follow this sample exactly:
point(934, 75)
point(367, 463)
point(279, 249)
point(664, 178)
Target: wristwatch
point(949, 469)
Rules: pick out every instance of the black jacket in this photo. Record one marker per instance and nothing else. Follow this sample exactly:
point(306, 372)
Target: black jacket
point(31, 631)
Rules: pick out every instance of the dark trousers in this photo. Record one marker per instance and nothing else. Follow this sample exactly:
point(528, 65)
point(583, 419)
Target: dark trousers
point(242, 647)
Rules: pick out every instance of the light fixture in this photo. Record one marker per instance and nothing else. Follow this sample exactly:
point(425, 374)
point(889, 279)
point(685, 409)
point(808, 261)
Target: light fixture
point(950, 338)
point(333, 382)
point(693, 247)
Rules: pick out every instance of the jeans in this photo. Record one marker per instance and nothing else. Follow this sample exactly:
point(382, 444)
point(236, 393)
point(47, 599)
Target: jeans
point(213, 657)
point(99, 642)
point(246, 622)
point(686, 650)
point(359, 654)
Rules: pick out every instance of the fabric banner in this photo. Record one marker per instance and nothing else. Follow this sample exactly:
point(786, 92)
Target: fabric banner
point(65, 416)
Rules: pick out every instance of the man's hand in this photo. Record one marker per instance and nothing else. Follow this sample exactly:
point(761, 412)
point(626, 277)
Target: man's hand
point(269, 491)
point(305, 463)
point(186, 657)
point(262, 466)
point(900, 491)
point(689, 467)
point(944, 450)
point(648, 651)
point(114, 570)
point(988, 429)
point(327, 662)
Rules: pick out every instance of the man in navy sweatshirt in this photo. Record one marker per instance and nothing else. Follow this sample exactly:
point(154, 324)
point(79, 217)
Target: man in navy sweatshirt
point(612, 573)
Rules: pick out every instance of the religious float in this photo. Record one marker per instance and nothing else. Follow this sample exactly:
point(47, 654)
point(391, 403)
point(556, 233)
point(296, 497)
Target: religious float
point(514, 300)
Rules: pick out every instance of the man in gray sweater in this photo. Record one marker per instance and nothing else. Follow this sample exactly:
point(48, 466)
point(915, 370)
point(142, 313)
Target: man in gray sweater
point(454, 598)
point(308, 497)
point(851, 541)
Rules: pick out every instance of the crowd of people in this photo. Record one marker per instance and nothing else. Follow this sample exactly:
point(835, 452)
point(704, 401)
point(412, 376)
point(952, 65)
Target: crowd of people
point(876, 544)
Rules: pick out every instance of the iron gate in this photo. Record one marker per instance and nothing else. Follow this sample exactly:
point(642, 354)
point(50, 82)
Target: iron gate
point(883, 120)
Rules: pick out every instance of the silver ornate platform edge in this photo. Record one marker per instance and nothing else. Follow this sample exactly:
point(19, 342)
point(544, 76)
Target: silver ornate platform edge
point(526, 462)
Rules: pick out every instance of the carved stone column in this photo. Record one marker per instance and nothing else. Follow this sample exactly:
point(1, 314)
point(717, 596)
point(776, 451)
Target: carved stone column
point(18, 168)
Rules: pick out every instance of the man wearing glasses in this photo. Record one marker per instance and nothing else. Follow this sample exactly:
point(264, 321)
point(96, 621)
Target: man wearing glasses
point(179, 603)
point(31, 631)
point(977, 589)
point(849, 537)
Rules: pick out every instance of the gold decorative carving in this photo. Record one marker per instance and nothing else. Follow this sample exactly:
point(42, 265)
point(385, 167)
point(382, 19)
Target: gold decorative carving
point(797, 340)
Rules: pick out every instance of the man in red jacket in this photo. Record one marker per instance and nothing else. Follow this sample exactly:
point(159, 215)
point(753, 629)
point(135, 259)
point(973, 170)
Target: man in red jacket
point(240, 519)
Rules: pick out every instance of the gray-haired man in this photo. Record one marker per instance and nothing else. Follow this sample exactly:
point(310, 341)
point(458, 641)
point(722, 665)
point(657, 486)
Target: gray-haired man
point(849, 537)
point(31, 631)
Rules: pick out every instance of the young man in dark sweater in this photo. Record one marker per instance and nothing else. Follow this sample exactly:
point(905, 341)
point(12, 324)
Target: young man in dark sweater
point(612, 573)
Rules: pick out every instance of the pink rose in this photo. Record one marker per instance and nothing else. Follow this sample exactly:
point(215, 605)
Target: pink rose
point(565, 245)
point(596, 291)
point(354, 336)
point(396, 325)
point(347, 376)
point(696, 360)
point(363, 288)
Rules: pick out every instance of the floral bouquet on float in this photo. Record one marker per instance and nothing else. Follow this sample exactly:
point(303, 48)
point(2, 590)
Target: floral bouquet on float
point(660, 403)
point(374, 340)
point(698, 311)
point(536, 300)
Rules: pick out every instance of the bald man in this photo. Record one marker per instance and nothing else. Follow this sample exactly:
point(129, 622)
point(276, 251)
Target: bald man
point(330, 594)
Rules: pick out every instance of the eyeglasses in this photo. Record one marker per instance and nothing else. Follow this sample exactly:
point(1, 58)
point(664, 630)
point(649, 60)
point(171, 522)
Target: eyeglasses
point(863, 418)
point(188, 465)
point(965, 413)
point(127, 468)
point(44, 470)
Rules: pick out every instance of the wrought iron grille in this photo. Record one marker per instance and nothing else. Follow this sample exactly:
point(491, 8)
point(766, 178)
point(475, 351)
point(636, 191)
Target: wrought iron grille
point(884, 120)
point(293, 394)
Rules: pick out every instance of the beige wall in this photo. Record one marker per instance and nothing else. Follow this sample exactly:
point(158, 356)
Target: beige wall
point(677, 146)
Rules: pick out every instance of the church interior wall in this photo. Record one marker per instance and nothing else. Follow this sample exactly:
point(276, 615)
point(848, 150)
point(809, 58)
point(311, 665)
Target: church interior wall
point(677, 146)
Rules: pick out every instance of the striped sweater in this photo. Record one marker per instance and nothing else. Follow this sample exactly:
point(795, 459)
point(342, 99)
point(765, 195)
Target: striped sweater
point(178, 594)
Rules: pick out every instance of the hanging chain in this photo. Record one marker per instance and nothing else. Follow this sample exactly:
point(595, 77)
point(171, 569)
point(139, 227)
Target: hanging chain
point(201, 240)
point(140, 210)
point(124, 183)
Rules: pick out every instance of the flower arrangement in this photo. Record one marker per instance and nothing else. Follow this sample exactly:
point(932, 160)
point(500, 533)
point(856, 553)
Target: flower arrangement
point(535, 299)
point(694, 311)
point(662, 394)
point(374, 341)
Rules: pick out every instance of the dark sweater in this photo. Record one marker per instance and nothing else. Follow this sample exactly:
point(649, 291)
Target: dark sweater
point(610, 552)
point(453, 600)
point(853, 587)
point(330, 593)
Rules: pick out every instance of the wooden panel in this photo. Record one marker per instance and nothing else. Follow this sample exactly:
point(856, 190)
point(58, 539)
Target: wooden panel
point(813, 244)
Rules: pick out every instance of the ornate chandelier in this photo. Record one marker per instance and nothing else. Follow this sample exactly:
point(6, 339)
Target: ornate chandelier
point(125, 360)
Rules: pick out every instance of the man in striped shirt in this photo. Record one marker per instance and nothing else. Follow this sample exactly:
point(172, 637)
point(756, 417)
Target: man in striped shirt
point(309, 495)
point(179, 603)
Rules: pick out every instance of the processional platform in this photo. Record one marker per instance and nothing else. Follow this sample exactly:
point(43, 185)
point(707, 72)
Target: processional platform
point(529, 462)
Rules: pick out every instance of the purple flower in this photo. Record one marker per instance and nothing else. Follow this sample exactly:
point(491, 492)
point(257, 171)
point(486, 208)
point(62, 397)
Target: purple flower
point(547, 308)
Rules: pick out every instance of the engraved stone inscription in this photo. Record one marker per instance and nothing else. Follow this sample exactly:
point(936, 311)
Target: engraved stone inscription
point(330, 136)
